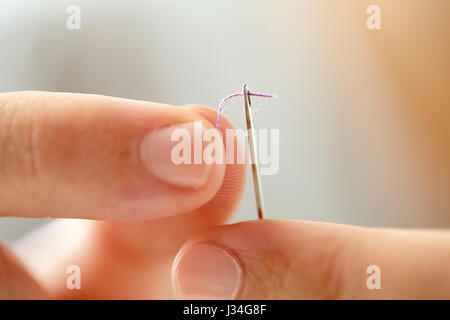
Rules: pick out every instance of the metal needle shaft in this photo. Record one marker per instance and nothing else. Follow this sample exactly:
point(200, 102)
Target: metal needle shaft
point(253, 153)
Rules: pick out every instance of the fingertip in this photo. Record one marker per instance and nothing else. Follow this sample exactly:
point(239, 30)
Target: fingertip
point(233, 183)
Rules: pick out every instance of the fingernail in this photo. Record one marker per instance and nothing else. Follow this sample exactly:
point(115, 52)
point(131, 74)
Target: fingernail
point(164, 149)
point(205, 271)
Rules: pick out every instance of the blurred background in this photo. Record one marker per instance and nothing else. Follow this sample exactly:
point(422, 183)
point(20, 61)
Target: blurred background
point(364, 115)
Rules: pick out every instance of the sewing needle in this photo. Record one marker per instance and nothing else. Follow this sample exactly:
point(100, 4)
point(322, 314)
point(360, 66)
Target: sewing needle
point(253, 153)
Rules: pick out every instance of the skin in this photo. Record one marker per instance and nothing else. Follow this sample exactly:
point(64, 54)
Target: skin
point(72, 156)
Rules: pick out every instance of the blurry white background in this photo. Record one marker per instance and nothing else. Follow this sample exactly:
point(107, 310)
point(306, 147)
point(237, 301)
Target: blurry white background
point(344, 154)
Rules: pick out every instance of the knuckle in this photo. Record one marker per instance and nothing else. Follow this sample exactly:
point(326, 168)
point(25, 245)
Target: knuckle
point(322, 264)
point(316, 271)
point(19, 137)
point(270, 277)
point(332, 270)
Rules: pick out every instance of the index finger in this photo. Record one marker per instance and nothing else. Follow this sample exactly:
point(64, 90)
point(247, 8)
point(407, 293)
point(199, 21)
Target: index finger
point(89, 156)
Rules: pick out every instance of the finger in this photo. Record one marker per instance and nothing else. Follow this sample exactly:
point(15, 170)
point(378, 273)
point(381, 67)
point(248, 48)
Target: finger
point(88, 156)
point(307, 260)
point(15, 281)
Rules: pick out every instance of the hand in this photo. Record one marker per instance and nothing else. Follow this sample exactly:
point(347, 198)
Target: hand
point(102, 158)
point(76, 156)
point(274, 259)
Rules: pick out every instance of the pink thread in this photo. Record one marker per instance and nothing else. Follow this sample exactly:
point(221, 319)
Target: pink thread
point(237, 94)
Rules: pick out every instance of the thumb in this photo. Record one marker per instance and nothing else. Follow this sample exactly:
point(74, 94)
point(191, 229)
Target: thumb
point(274, 259)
